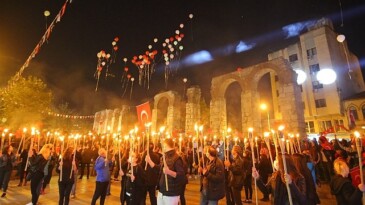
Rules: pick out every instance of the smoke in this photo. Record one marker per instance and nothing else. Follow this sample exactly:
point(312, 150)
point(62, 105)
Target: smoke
point(293, 30)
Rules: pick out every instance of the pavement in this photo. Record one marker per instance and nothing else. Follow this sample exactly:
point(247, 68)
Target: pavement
point(85, 190)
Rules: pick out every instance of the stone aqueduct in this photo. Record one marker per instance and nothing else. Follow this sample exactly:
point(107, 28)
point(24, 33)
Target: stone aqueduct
point(289, 100)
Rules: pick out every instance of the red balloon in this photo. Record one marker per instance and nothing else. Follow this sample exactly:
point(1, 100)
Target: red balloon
point(154, 52)
point(100, 68)
point(182, 35)
point(126, 69)
point(177, 36)
point(171, 39)
point(134, 57)
point(115, 48)
point(147, 53)
point(116, 39)
point(129, 76)
point(164, 51)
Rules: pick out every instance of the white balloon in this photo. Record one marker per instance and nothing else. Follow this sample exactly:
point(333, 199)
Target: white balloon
point(98, 55)
point(169, 46)
point(103, 55)
point(140, 56)
point(125, 59)
point(165, 55)
point(155, 40)
point(108, 55)
point(167, 40)
point(114, 43)
point(326, 76)
point(167, 63)
point(172, 49)
point(177, 32)
point(164, 44)
point(132, 79)
point(149, 46)
point(181, 25)
point(341, 38)
point(181, 47)
point(191, 16)
point(175, 43)
point(172, 56)
point(103, 63)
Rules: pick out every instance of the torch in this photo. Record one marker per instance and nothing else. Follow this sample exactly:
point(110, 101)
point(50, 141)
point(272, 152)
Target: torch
point(61, 156)
point(358, 143)
point(250, 137)
point(282, 147)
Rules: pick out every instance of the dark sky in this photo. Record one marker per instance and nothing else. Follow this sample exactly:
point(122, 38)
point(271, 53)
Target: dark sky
point(68, 61)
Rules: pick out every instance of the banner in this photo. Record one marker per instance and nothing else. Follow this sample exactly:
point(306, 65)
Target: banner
point(144, 113)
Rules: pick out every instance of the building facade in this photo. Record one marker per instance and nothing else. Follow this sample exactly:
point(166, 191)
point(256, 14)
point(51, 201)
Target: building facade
point(318, 49)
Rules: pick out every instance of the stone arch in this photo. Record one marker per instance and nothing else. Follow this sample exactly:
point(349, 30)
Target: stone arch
point(248, 78)
point(173, 111)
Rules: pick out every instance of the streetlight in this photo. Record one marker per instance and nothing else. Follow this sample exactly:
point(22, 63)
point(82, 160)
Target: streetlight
point(263, 107)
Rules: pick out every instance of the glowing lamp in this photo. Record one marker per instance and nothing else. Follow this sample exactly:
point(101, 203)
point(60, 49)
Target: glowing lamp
point(301, 76)
point(326, 76)
point(341, 38)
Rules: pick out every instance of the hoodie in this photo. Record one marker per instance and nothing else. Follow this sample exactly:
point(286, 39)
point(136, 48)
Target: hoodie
point(344, 191)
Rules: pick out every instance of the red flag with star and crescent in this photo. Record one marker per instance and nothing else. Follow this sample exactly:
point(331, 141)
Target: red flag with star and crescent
point(144, 113)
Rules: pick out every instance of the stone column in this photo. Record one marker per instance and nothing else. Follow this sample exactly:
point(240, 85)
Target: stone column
point(193, 113)
point(154, 127)
point(218, 115)
point(290, 101)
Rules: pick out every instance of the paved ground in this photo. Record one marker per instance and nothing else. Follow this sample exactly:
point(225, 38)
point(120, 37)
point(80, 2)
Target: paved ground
point(85, 189)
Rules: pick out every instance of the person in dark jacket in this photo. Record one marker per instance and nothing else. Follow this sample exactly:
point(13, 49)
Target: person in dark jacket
point(102, 177)
point(173, 171)
point(235, 175)
point(23, 162)
point(264, 168)
point(135, 184)
point(277, 183)
point(36, 167)
point(86, 156)
point(7, 162)
point(212, 180)
point(151, 176)
point(247, 174)
point(342, 187)
point(300, 162)
point(67, 165)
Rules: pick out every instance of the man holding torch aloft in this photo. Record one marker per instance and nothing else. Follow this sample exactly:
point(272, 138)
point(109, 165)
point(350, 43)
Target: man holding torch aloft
point(171, 175)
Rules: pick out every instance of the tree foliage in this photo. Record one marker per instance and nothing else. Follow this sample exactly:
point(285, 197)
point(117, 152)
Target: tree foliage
point(25, 102)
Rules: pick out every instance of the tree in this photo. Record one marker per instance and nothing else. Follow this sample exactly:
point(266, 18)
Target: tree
point(25, 102)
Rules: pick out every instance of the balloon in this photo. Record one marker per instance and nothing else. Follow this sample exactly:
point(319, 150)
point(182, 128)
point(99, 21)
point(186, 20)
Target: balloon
point(165, 54)
point(177, 31)
point(46, 13)
point(140, 56)
point(167, 63)
point(170, 46)
point(103, 63)
point(149, 46)
point(155, 40)
point(98, 55)
point(175, 43)
point(172, 49)
point(341, 38)
point(164, 51)
point(181, 48)
point(132, 79)
point(172, 56)
point(181, 25)
point(126, 69)
point(134, 57)
point(191, 16)
point(178, 39)
point(182, 35)
point(164, 44)
point(154, 52)
point(114, 43)
point(116, 39)
point(100, 68)
point(171, 39)
point(129, 76)
point(115, 48)
point(167, 40)
point(103, 54)
point(125, 59)
point(108, 55)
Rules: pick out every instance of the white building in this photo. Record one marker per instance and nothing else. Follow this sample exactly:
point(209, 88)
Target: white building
point(316, 51)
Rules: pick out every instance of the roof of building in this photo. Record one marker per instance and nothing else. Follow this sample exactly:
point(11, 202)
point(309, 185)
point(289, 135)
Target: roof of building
point(356, 96)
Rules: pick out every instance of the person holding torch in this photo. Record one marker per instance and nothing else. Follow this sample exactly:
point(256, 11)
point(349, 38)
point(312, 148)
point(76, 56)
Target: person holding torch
point(172, 175)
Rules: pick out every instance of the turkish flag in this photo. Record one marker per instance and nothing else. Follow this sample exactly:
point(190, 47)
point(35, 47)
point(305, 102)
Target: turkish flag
point(144, 113)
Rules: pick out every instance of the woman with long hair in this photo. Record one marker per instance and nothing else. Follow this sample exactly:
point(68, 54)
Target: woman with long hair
point(7, 162)
point(342, 187)
point(277, 183)
point(135, 184)
point(37, 165)
point(67, 165)
point(300, 162)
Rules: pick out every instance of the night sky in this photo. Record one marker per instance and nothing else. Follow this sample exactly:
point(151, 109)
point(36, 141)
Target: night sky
point(67, 62)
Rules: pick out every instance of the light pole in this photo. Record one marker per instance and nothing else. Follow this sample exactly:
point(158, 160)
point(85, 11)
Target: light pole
point(263, 107)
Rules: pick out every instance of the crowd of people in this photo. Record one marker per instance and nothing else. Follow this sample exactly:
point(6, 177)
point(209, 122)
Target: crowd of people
point(162, 170)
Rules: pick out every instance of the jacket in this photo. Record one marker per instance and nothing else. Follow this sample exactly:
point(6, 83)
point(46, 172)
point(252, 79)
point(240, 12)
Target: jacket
point(37, 163)
point(4, 159)
point(235, 176)
point(344, 191)
point(66, 171)
point(102, 171)
point(212, 182)
point(175, 185)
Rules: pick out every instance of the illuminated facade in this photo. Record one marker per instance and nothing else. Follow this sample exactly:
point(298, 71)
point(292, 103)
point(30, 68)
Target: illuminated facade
point(319, 50)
